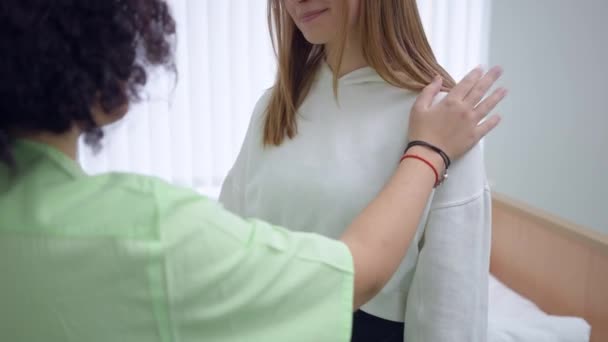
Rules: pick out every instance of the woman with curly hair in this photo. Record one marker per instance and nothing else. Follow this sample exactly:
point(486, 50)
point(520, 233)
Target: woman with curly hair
point(121, 257)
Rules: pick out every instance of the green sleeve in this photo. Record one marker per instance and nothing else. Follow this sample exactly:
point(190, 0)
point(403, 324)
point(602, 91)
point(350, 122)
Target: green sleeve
point(231, 279)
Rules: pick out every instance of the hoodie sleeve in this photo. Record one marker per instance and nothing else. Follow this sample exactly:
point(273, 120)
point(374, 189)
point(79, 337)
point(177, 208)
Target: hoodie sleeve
point(448, 299)
point(232, 194)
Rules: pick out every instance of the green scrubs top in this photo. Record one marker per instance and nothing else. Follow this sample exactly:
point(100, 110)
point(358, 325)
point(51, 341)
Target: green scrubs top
point(120, 257)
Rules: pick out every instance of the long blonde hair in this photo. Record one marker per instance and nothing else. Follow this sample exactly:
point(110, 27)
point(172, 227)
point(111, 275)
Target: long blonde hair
point(395, 45)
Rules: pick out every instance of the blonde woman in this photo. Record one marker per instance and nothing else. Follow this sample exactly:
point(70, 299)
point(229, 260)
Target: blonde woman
point(324, 140)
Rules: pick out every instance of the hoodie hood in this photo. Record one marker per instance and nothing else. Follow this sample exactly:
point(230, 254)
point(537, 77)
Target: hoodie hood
point(360, 76)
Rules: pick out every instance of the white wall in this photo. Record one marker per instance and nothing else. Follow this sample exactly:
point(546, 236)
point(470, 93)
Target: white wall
point(552, 148)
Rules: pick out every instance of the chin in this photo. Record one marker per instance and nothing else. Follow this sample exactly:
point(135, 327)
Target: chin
point(316, 41)
point(315, 38)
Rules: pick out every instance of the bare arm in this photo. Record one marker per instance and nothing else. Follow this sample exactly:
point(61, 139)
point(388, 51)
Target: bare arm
point(377, 238)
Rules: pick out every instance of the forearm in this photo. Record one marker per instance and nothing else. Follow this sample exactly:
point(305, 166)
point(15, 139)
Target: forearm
point(379, 237)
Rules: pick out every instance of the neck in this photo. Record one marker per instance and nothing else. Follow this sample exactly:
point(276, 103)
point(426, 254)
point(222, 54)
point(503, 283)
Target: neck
point(352, 58)
point(66, 143)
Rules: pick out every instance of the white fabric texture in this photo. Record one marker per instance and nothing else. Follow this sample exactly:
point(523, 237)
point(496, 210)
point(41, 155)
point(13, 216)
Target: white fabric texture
point(190, 133)
point(344, 153)
point(513, 318)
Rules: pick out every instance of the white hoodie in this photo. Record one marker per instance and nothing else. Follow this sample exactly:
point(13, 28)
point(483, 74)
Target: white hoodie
point(344, 153)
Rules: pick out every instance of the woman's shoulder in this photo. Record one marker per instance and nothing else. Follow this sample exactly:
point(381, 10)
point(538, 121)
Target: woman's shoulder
point(143, 186)
point(261, 104)
point(146, 201)
point(149, 191)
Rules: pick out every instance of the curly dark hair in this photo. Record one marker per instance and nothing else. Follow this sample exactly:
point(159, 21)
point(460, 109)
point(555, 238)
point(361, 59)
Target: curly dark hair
point(60, 57)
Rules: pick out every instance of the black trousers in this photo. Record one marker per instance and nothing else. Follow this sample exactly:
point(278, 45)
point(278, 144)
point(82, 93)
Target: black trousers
point(369, 328)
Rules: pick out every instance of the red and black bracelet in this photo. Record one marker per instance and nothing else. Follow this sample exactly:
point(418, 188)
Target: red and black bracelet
point(444, 156)
point(413, 156)
point(447, 161)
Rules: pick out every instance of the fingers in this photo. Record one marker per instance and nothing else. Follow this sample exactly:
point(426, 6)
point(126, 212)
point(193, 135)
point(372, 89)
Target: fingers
point(463, 88)
point(486, 127)
point(427, 96)
point(489, 103)
point(483, 85)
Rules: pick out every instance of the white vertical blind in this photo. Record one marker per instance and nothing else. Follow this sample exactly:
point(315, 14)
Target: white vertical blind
point(458, 32)
point(190, 132)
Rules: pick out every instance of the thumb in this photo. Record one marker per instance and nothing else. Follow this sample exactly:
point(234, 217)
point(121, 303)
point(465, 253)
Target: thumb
point(427, 95)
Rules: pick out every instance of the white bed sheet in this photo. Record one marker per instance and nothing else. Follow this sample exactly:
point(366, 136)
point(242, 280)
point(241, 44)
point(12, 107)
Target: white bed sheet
point(513, 318)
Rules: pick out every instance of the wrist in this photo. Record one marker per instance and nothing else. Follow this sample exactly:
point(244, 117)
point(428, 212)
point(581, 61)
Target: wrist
point(433, 157)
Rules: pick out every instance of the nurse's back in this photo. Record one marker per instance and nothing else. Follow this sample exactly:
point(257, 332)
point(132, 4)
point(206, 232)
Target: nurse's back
point(80, 256)
point(130, 258)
